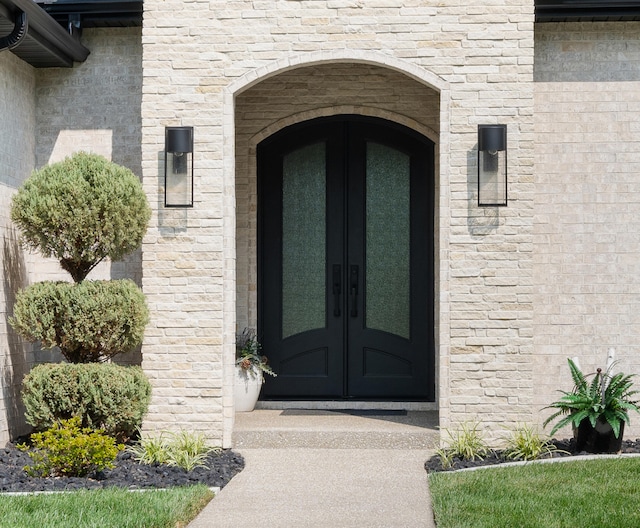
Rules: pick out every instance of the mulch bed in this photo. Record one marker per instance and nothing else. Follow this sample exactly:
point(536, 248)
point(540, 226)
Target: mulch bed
point(127, 474)
point(565, 448)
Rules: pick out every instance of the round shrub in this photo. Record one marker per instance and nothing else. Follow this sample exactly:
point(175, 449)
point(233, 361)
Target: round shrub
point(89, 321)
point(80, 211)
point(105, 396)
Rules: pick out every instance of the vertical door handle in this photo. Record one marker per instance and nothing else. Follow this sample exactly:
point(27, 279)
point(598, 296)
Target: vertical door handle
point(353, 290)
point(337, 288)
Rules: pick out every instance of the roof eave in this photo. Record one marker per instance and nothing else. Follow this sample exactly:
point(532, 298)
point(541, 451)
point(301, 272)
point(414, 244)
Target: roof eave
point(47, 44)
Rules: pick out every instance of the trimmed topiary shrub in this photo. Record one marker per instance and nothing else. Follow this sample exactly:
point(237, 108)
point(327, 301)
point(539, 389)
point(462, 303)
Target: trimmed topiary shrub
point(105, 396)
point(69, 450)
point(90, 321)
point(80, 211)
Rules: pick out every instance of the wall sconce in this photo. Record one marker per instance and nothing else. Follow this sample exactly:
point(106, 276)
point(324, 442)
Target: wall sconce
point(492, 165)
point(178, 167)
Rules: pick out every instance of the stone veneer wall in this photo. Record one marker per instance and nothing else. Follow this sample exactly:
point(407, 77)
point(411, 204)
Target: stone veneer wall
point(46, 115)
point(587, 201)
point(18, 123)
point(199, 56)
point(17, 156)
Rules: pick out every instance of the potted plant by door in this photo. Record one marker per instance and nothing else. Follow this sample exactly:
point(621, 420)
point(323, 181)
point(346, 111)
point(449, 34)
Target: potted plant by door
point(250, 369)
point(597, 409)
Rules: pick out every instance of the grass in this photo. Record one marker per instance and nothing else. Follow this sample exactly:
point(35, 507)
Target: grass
point(108, 508)
point(582, 493)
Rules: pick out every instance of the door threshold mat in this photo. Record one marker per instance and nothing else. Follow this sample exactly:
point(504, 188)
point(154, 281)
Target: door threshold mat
point(352, 412)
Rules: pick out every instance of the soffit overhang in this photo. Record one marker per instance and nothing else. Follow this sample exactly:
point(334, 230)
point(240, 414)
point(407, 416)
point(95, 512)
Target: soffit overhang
point(78, 14)
point(587, 10)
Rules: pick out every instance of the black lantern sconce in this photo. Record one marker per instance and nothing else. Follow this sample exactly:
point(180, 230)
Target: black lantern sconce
point(492, 165)
point(178, 167)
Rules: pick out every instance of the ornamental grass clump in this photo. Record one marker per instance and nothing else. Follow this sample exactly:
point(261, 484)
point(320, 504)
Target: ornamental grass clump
point(526, 443)
point(184, 449)
point(606, 398)
point(466, 443)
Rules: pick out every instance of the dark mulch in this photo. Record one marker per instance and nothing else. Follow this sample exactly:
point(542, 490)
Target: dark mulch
point(127, 474)
point(566, 448)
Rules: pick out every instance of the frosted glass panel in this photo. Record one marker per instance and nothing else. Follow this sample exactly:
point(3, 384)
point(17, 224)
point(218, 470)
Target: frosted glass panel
point(303, 240)
point(387, 243)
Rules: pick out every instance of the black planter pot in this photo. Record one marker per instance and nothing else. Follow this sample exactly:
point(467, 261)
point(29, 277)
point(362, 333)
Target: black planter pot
point(598, 439)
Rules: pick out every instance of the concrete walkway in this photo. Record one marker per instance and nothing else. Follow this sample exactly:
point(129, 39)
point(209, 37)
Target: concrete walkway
point(324, 487)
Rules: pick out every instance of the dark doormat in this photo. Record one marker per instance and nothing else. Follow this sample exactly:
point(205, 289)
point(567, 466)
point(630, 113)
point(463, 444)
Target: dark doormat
point(352, 412)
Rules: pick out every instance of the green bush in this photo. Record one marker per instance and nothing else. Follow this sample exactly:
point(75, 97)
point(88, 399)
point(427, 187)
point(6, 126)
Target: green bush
point(67, 450)
point(80, 211)
point(90, 321)
point(105, 396)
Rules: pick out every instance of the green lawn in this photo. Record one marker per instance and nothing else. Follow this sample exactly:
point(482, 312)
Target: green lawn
point(110, 508)
point(601, 493)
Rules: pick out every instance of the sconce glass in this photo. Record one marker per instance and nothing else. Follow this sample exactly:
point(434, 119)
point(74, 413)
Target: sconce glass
point(492, 165)
point(178, 167)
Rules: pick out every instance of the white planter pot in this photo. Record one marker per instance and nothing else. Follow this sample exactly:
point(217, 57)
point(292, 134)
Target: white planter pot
point(246, 389)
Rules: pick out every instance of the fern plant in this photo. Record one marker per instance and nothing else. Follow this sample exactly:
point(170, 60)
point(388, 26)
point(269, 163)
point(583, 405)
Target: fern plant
point(606, 398)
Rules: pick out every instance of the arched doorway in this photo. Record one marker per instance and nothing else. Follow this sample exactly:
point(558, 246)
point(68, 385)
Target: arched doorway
point(345, 260)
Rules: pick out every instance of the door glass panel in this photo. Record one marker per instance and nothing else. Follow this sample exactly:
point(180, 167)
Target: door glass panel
point(387, 240)
point(303, 240)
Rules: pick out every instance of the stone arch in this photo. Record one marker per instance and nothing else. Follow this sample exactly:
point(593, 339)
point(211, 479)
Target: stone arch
point(344, 109)
point(377, 58)
point(239, 154)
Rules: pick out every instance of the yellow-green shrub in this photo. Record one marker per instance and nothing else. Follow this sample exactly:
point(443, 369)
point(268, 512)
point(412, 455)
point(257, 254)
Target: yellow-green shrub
point(68, 450)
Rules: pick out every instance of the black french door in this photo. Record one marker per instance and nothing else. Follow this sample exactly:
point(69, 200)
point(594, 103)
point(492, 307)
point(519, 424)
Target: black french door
point(345, 287)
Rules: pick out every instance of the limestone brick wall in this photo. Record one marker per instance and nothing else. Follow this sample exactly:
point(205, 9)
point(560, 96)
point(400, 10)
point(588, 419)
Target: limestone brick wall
point(18, 122)
point(587, 201)
point(197, 60)
point(17, 152)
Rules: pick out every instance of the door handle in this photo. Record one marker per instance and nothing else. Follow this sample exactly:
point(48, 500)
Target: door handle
point(353, 290)
point(337, 288)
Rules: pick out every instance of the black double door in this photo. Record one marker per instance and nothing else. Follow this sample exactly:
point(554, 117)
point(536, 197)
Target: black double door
point(345, 288)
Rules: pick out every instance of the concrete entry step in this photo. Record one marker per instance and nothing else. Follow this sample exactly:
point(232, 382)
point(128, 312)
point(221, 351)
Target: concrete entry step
point(337, 429)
